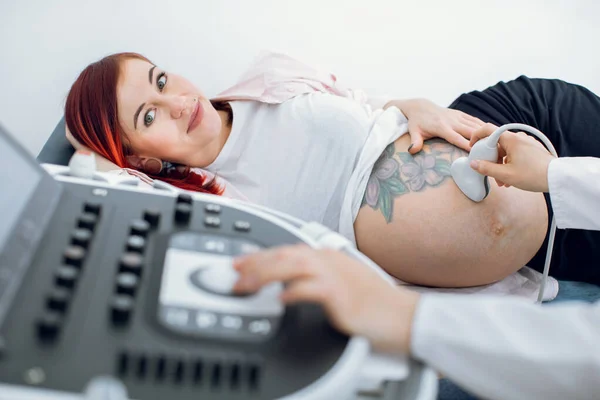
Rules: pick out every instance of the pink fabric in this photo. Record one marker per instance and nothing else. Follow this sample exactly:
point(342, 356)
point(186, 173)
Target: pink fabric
point(275, 78)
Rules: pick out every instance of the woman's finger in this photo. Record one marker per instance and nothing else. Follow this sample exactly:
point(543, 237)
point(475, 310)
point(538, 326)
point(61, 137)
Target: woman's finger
point(456, 138)
point(471, 123)
point(465, 130)
point(416, 140)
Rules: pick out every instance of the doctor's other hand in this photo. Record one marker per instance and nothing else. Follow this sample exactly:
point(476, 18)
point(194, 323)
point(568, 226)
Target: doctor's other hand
point(356, 299)
point(523, 161)
point(427, 120)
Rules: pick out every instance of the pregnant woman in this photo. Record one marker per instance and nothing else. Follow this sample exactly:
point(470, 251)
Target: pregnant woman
point(292, 138)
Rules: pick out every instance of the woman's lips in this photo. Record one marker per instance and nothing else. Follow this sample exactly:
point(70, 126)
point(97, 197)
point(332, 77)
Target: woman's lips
point(196, 117)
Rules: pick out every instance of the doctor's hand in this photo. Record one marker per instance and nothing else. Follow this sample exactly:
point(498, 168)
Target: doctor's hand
point(427, 120)
point(523, 161)
point(356, 299)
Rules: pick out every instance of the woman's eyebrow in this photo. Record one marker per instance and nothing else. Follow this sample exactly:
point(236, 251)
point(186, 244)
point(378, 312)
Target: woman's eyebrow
point(137, 113)
point(150, 73)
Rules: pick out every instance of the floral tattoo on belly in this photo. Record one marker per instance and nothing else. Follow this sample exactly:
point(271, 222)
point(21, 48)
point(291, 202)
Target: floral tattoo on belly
point(395, 174)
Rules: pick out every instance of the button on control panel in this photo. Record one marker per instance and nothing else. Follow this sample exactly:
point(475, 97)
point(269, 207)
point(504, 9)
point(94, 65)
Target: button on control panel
point(140, 227)
point(152, 216)
point(183, 213)
point(212, 208)
point(242, 226)
point(121, 309)
point(81, 238)
point(93, 208)
point(74, 255)
point(135, 244)
point(131, 262)
point(87, 221)
point(213, 222)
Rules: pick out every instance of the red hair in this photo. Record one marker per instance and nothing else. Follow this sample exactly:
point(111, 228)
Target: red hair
point(91, 116)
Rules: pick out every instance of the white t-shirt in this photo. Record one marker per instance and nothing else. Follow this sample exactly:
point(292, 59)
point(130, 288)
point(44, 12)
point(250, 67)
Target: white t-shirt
point(299, 157)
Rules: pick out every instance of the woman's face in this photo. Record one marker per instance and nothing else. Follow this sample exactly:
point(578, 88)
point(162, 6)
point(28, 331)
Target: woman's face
point(165, 116)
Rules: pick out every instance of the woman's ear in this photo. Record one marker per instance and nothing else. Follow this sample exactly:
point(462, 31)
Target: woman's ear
point(148, 165)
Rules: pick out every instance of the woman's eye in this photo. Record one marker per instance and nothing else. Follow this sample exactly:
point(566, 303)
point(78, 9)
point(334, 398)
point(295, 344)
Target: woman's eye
point(149, 117)
point(161, 82)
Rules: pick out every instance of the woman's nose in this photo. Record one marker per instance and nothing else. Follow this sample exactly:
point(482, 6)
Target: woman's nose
point(178, 105)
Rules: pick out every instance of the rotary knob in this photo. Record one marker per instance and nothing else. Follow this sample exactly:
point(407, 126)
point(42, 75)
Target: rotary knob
point(217, 279)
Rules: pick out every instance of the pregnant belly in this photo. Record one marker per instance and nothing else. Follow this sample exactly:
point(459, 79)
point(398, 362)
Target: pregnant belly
point(436, 236)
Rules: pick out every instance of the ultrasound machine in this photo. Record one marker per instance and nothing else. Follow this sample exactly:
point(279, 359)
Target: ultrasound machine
point(112, 290)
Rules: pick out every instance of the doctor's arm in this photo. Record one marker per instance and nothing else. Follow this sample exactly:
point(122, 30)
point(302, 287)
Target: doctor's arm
point(574, 185)
point(498, 348)
point(502, 348)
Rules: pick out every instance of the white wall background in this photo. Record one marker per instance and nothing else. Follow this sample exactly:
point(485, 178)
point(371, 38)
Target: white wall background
point(428, 48)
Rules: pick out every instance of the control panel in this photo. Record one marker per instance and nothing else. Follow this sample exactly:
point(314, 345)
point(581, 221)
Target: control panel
point(137, 284)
